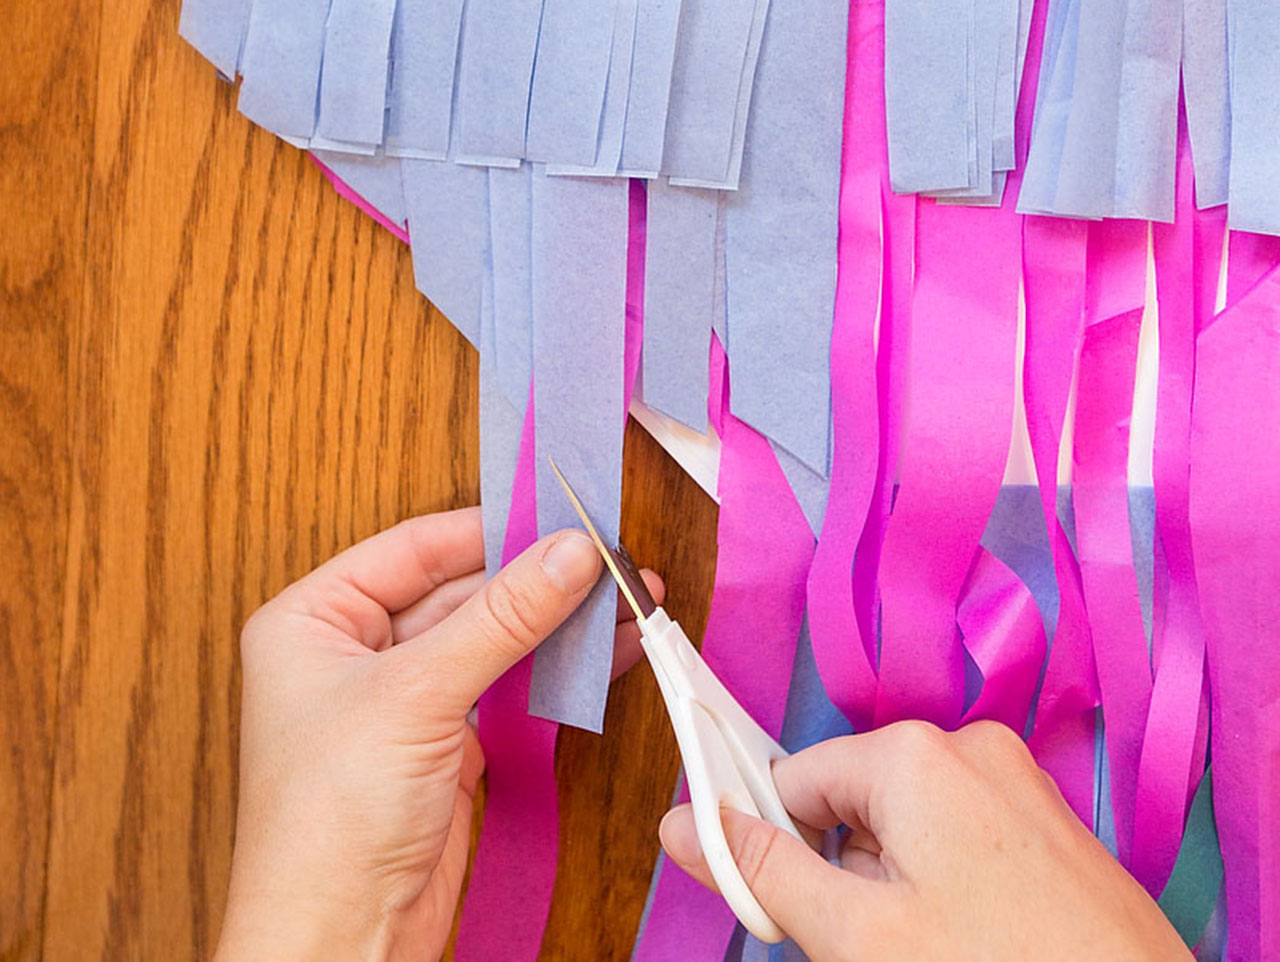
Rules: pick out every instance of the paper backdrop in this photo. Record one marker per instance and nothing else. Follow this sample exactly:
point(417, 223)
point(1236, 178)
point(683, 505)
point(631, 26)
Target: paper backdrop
point(871, 248)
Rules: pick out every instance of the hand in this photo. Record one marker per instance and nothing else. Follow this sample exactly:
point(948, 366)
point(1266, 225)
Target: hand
point(357, 764)
point(959, 847)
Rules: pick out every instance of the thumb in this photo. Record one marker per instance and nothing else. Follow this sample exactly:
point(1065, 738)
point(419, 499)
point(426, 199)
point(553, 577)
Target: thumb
point(506, 619)
point(817, 904)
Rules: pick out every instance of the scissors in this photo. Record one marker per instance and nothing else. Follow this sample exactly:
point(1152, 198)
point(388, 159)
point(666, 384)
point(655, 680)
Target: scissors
point(727, 756)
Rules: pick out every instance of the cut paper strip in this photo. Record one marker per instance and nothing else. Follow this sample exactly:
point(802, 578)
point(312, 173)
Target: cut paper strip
point(617, 91)
point(514, 871)
point(1234, 519)
point(216, 28)
point(511, 243)
point(448, 212)
point(781, 231)
point(1166, 772)
point(376, 180)
point(1062, 739)
point(569, 77)
point(283, 51)
point(954, 453)
point(580, 231)
point(741, 112)
point(707, 74)
point(810, 488)
point(1253, 32)
point(424, 55)
point(1004, 635)
point(1100, 495)
point(843, 652)
point(927, 96)
point(1189, 898)
point(353, 83)
point(679, 300)
point(495, 66)
point(1250, 258)
point(648, 94)
point(1206, 89)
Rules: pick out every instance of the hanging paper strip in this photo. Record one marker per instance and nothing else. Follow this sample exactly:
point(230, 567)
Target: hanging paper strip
point(1234, 512)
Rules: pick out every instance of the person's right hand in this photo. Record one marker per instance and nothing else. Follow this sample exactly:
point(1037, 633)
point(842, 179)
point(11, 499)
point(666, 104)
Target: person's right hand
point(960, 847)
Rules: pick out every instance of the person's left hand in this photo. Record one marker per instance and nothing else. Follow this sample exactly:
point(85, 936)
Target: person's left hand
point(357, 764)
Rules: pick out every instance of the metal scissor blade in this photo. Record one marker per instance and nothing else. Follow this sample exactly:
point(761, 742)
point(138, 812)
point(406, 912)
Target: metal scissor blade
point(616, 559)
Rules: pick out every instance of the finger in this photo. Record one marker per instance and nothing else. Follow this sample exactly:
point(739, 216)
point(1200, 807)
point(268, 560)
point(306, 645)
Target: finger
point(817, 904)
point(838, 781)
point(427, 612)
point(657, 591)
point(503, 621)
point(390, 571)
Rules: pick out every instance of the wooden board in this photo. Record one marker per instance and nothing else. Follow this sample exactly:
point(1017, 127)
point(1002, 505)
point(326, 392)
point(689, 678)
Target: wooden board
point(213, 375)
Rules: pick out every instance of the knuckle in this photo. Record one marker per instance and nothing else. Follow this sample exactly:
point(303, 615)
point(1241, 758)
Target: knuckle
point(919, 741)
point(996, 740)
point(512, 612)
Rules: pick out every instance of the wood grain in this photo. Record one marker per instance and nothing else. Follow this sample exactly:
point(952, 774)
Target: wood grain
point(46, 114)
point(213, 375)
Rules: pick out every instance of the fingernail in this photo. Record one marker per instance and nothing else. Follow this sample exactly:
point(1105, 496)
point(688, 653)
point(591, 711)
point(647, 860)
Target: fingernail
point(679, 836)
point(572, 562)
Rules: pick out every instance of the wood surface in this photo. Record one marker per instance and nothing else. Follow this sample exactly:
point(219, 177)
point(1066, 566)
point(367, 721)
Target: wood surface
point(214, 374)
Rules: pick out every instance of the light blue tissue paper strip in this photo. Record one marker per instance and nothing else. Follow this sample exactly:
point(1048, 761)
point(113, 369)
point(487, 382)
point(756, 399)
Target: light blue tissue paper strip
point(781, 230)
point(706, 78)
point(377, 179)
point(742, 109)
point(495, 65)
point(927, 93)
point(1053, 105)
point(1015, 534)
point(649, 92)
point(616, 94)
point(1254, 44)
point(991, 19)
point(511, 240)
point(810, 488)
point(580, 229)
point(1206, 91)
point(719, 298)
point(283, 52)
point(216, 29)
point(1087, 169)
point(424, 56)
point(679, 300)
point(1147, 125)
point(501, 427)
point(1007, 75)
point(569, 78)
point(353, 82)
point(1142, 523)
point(448, 215)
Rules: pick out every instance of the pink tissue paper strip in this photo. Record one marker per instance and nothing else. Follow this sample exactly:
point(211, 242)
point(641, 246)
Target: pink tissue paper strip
point(1114, 298)
point(766, 547)
point(1169, 748)
point(841, 649)
point(1235, 530)
point(957, 442)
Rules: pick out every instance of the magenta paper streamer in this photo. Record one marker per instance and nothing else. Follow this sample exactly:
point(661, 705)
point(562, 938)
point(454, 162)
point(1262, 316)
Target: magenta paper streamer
point(1004, 634)
point(1250, 257)
point(1054, 279)
point(964, 305)
point(1235, 530)
point(505, 910)
point(766, 547)
point(840, 649)
point(1165, 772)
point(347, 192)
point(1114, 298)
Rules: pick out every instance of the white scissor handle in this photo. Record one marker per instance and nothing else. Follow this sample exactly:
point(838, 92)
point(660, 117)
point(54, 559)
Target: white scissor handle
point(727, 759)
